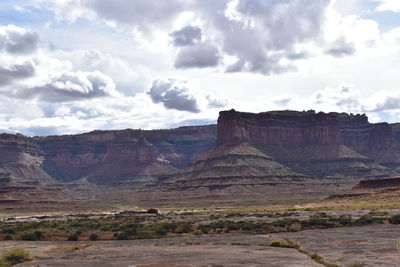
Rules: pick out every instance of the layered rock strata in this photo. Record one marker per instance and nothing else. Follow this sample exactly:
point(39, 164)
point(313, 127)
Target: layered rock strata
point(317, 144)
point(257, 158)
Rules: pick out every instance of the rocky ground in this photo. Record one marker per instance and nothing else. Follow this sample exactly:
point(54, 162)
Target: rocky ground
point(373, 245)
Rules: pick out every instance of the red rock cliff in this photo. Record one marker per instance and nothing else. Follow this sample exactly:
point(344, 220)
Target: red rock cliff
point(316, 143)
point(278, 128)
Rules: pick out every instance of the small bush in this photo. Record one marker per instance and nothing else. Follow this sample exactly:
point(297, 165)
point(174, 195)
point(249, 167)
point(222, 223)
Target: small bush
point(279, 244)
point(317, 258)
point(185, 228)
point(395, 219)
point(9, 231)
point(240, 244)
point(367, 219)
point(122, 236)
point(344, 220)
point(73, 237)
point(357, 264)
point(15, 256)
point(152, 211)
point(275, 243)
point(29, 237)
point(38, 234)
point(32, 236)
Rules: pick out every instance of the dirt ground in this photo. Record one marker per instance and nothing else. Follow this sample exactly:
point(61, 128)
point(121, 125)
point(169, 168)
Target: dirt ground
point(373, 245)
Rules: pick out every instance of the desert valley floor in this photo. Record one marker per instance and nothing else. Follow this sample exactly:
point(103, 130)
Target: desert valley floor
point(370, 245)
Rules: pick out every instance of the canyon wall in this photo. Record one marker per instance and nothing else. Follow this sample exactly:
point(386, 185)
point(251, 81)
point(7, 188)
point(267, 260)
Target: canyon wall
point(319, 144)
point(313, 144)
point(104, 156)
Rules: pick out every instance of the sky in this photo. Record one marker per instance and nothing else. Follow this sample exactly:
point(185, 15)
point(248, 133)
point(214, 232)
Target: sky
point(73, 66)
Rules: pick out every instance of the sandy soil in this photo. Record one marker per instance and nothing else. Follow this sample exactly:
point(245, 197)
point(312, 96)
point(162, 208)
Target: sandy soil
point(373, 245)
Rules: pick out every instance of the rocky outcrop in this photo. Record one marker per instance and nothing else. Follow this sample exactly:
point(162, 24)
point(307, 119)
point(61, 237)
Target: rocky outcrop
point(385, 190)
point(286, 128)
point(21, 160)
point(380, 183)
point(130, 163)
point(230, 164)
point(238, 174)
point(277, 157)
point(316, 144)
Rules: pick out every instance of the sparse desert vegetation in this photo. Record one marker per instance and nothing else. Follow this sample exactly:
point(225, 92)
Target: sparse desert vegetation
point(14, 256)
point(154, 225)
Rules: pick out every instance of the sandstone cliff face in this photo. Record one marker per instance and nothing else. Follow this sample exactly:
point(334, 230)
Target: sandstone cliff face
point(372, 140)
point(278, 128)
point(21, 159)
point(109, 156)
point(322, 144)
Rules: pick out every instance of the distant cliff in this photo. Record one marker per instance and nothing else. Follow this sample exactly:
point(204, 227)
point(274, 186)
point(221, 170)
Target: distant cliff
point(270, 157)
point(104, 156)
point(323, 144)
point(309, 143)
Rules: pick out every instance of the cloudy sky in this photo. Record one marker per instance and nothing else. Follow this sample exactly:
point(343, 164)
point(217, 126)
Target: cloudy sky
point(71, 66)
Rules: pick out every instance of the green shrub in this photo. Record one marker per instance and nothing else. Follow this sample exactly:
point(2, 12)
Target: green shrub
point(279, 244)
point(395, 219)
point(152, 211)
point(29, 237)
point(232, 226)
point(185, 228)
point(368, 219)
point(9, 231)
point(285, 222)
point(275, 243)
point(317, 222)
point(122, 236)
point(344, 220)
point(14, 256)
point(73, 237)
point(317, 258)
point(38, 234)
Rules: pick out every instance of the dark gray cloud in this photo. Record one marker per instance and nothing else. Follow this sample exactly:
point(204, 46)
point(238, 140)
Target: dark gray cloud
point(341, 48)
point(16, 72)
point(16, 40)
point(286, 22)
point(297, 55)
point(71, 86)
point(173, 95)
point(276, 26)
point(388, 103)
point(186, 36)
point(200, 55)
point(283, 102)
